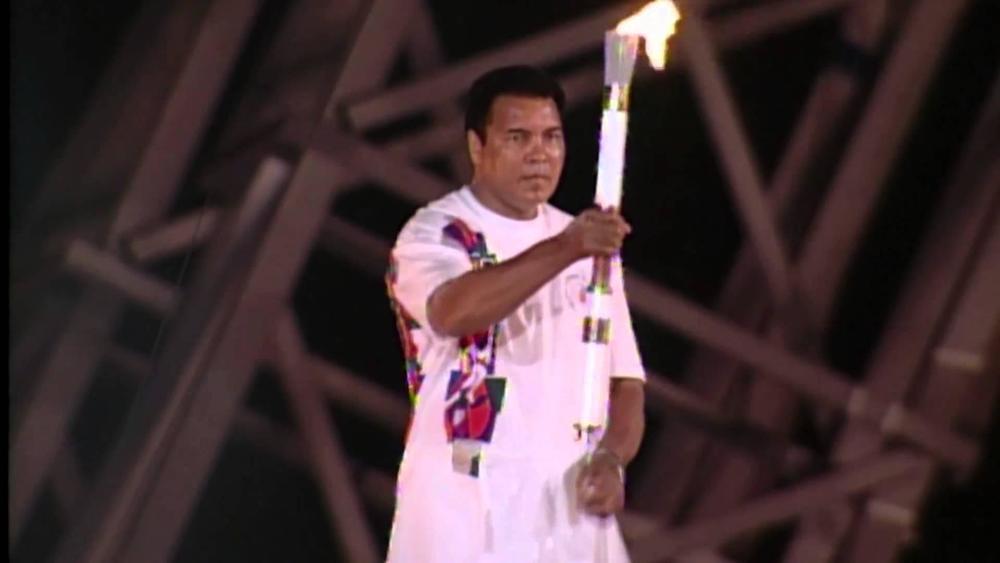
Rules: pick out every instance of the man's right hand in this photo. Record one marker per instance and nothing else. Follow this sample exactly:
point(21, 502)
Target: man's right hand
point(595, 233)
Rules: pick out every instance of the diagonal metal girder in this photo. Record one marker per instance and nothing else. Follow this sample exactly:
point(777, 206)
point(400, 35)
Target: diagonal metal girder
point(547, 47)
point(155, 427)
point(375, 48)
point(119, 117)
point(729, 31)
point(775, 507)
point(848, 204)
point(322, 444)
point(738, 162)
point(889, 518)
point(872, 151)
point(676, 453)
point(965, 216)
point(41, 426)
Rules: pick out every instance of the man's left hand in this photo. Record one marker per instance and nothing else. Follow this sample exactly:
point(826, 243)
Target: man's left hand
point(599, 486)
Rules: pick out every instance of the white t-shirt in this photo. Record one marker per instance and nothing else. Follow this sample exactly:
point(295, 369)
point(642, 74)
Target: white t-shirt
point(540, 355)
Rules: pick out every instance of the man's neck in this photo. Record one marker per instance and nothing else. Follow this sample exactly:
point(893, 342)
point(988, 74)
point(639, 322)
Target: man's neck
point(486, 198)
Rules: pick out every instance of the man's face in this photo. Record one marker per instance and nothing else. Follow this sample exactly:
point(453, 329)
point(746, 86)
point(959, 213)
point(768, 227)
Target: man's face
point(520, 162)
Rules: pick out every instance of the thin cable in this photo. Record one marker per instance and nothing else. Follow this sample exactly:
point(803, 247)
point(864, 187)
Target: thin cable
point(179, 281)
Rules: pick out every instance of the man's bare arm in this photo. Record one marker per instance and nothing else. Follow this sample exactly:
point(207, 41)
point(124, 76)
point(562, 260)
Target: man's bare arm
point(475, 300)
point(626, 418)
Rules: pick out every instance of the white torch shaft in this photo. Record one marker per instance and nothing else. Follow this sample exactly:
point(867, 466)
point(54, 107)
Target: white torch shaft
point(620, 54)
point(611, 159)
point(611, 165)
point(595, 360)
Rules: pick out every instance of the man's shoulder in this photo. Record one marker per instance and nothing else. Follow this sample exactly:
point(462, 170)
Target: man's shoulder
point(431, 219)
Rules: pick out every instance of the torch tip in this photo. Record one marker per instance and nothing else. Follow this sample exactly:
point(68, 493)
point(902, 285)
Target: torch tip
point(655, 23)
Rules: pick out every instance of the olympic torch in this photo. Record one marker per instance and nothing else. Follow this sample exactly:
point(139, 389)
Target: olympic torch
point(654, 24)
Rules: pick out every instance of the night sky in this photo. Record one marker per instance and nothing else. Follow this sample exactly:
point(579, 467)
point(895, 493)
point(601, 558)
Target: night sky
point(259, 508)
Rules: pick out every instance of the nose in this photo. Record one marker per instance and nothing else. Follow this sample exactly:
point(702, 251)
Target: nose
point(536, 151)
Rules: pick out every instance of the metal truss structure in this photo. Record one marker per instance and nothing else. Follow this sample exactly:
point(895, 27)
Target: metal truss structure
point(310, 127)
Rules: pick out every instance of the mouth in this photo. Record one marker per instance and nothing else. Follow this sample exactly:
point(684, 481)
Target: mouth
point(534, 177)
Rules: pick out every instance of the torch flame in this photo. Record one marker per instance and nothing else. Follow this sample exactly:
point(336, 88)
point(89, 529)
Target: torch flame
point(655, 23)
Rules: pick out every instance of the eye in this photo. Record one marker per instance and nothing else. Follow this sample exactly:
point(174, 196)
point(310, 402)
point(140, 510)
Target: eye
point(517, 136)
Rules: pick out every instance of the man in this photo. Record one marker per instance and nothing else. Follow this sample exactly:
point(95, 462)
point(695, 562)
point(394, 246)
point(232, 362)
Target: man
point(489, 284)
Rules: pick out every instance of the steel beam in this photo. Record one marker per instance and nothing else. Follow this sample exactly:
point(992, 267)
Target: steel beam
point(379, 489)
point(675, 403)
point(28, 349)
point(729, 32)
point(186, 233)
point(371, 163)
point(353, 393)
point(678, 454)
point(975, 320)
point(261, 432)
point(376, 47)
point(842, 218)
point(323, 445)
point(774, 508)
point(123, 119)
point(816, 382)
point(738, 162)
point(186, 115)
point(446, 135)
point(968, 210)
point(424, 94)
point(161, 404)
point(293, 78)
point(563, 42)
point(873, 149)
point(226, 368)
point(544, 48)
point(981, 396)
point(174, 237)
point(40, 427)
point(98, 266)
point(426, 56)
point(583, 85)
point(345, 389)
point(67, 374)
point(68, 484)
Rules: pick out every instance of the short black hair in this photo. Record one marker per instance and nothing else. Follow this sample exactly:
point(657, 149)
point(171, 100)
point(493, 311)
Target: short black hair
point(517, 80)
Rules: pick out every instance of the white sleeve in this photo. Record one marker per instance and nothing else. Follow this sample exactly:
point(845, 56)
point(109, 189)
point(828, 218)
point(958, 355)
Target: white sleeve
point(423, 259)
point(625, 359)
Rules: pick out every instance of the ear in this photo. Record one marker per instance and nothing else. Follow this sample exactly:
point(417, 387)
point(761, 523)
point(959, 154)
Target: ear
point(475, 146)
